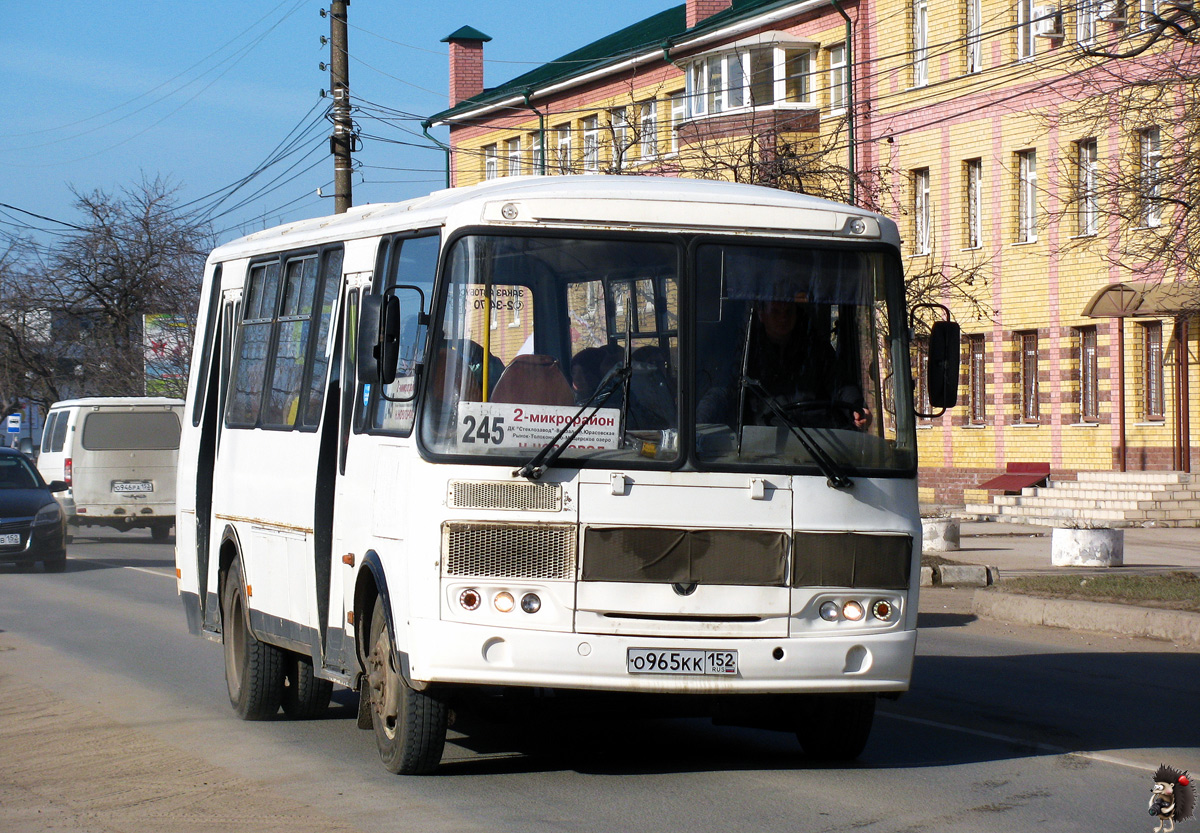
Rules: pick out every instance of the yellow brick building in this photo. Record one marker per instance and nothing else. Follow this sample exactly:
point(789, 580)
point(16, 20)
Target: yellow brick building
point(1029, 174)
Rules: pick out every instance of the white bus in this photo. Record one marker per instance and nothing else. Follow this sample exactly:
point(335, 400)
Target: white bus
point(549, 433)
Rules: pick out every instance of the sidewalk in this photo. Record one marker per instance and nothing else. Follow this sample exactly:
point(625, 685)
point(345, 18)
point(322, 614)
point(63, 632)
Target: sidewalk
point(1022, 550)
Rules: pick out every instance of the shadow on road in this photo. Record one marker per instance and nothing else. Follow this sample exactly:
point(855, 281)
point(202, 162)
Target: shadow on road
point(960, 710)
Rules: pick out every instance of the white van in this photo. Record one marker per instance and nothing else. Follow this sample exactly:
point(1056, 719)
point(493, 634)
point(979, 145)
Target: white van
point(118, 455)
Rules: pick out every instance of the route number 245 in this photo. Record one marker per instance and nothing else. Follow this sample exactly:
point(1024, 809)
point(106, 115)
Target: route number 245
point(488, 430)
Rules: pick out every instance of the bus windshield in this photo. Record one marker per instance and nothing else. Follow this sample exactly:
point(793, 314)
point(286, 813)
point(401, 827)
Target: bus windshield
point(539, 333)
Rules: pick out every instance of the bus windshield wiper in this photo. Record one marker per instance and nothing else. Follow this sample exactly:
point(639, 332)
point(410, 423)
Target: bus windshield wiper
point(834, 476)
point(552, 450)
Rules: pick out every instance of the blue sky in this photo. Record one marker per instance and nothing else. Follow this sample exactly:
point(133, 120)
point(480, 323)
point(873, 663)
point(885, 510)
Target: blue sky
point(98, 95)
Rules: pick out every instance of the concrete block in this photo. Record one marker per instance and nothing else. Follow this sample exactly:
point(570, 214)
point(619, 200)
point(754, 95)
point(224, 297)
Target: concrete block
point(964, 575)
point(940, 534)
point(1087, 547)
point(927, 577)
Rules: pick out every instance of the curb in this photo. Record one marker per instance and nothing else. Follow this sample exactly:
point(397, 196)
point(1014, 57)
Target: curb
point(1128, 620)
point(959, 575)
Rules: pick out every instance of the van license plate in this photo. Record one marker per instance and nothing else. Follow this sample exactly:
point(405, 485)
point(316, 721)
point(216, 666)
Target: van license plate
point(695, 663)
point(9, 540)
point(133, 485)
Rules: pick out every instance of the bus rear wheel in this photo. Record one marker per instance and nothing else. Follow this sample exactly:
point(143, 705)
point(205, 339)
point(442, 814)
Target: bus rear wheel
point(254, 670)
point(305, 695)
point(410, 725)
point(835, 727)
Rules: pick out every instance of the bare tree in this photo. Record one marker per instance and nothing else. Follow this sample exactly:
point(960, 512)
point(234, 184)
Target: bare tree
point(136, 255)
point(1134, 166)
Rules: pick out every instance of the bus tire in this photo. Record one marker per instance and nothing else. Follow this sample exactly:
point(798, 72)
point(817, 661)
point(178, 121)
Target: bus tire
point(253, 669)
point(160, 532)
point(410, 725)
point(836, 727)
point(305, 695)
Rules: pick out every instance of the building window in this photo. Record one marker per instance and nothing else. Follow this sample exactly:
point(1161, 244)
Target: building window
point(1152, 372)
point(535, 153)
point(649, 129)
point(1150, 164)
point(921, 215)
point(977, 378)
point(1027, 344)
point(1026, 38)
point(760, 77)
point(513, 149)
point(837, 78)
point(591, 145)
point(920, 42)
point(618, 125)
point(678, 115)
point(1147, 10)
point(562, 150)
point(924, 406)
point(1085, 21)
point(1027, 207)
point(1089, 374)
point(974, 176)
point(974, 36)
point(490, 163)
point(1087, 207)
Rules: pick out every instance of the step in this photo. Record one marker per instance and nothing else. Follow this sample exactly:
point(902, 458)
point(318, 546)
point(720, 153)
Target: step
point(1134, 476)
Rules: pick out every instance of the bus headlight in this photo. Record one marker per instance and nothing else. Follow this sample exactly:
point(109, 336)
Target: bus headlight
point(853, 611)
point(504, 602)
point(530, 603)
point(830, 611)
point(469, 599)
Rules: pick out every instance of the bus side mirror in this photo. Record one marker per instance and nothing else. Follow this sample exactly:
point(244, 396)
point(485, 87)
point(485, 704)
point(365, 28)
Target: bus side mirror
point(945, 351)
point(379, 338)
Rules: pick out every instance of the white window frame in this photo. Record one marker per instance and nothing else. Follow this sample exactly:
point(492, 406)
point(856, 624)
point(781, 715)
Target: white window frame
point(648, 127)
point(491, 163)
point(975, 36)
point(920, 42)
point(1026, 40)
point(618, 121)
point(1146, 10)
point(837, 78)
point(512, 150)
point(591, 145)
point(974, 193)
point(1086, 19)
point(679, 103)
point(1087, 172)
point(563, 148)
point(724, 82)
point(1150, 175)
point(535, 153)
point(921, 212)
point(1027, 204)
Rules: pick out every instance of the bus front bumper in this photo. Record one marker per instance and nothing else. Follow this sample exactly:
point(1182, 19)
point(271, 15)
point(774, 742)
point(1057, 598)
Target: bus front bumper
point(449, 652)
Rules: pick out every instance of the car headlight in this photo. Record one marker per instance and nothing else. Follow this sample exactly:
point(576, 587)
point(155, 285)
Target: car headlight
point(48, 514)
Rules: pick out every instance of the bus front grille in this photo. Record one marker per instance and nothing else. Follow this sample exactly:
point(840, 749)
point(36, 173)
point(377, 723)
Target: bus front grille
point(527, 497)
point(492, 550)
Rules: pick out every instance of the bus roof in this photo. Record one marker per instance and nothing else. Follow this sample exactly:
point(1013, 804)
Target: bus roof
point(768, 209)
point(117, 401)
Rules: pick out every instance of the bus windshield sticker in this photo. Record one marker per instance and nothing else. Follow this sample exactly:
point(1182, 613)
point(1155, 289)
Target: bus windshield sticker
point(505, 425)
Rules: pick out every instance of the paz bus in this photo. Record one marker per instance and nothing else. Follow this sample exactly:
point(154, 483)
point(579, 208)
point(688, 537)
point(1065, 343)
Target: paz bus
point(536, 437)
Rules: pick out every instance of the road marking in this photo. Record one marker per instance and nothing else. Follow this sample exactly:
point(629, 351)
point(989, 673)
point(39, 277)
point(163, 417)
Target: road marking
point(1031, 744)
point(123, 566)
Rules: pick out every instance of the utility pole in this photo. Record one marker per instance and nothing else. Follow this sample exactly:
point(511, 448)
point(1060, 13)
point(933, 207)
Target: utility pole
point(341, 143)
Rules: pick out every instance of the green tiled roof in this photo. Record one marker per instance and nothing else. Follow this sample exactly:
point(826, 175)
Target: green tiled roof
point(655, 31)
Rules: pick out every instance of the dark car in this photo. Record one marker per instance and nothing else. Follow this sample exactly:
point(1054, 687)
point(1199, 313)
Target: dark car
point(32, 524)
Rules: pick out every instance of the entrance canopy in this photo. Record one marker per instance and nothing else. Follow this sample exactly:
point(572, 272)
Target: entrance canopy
point(1144, 299)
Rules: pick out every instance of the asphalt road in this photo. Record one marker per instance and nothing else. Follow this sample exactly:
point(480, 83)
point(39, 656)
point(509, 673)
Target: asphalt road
point(1006, 729)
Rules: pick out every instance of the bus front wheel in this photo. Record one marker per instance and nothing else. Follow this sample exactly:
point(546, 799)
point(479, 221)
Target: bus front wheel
point(835, 727)
point(410, 725)
point(253, 670)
